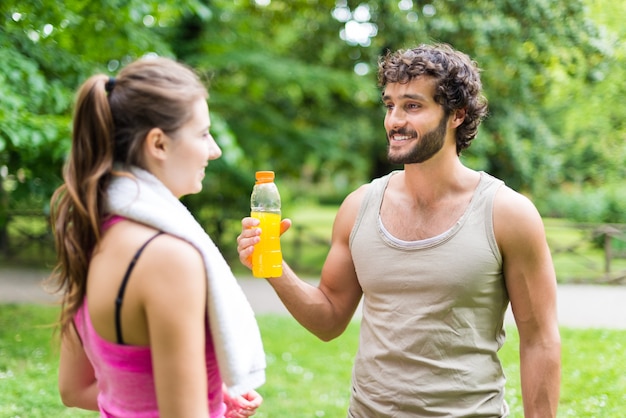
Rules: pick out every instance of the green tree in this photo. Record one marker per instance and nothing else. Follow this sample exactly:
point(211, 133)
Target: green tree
point(592, 140)
point(293, 88)
point(47, 49)
point(284, 84)
point(286, 79)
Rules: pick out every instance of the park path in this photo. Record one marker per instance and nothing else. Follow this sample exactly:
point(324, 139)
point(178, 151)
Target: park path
point(579, 306)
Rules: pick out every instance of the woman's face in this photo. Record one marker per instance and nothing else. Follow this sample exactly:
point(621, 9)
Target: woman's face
point(189, 152)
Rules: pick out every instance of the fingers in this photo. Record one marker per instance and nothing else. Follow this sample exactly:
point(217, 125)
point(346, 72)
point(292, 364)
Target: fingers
point(249, 403)
point(252, 399)
point(244, 405)
point(250, 235)
point(249, 222)
point(285, 224)
point(247, 238)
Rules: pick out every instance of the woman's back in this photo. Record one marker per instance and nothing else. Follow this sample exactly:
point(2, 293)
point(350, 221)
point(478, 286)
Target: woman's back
point(113, 259)
point(164, 299)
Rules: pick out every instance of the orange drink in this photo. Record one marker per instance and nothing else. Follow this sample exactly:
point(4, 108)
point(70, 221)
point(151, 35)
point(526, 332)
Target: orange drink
point(267, 258)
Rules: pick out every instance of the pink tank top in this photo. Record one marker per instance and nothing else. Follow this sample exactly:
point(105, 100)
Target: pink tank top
point(124, 372)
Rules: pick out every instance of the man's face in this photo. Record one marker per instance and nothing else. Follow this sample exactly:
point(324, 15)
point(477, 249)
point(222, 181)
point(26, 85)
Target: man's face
point(416, 125)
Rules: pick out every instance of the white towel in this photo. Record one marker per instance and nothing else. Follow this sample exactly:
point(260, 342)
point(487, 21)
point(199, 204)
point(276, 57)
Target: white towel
point(234, 329)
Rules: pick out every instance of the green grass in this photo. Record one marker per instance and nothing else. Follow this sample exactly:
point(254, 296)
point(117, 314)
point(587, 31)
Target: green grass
point(28, 364)
point(306, 377)
point(306, 244)
point(584, 263)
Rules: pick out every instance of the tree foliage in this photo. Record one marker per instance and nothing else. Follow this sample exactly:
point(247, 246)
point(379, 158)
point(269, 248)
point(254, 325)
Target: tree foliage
point(47, 50)
point(293, 88)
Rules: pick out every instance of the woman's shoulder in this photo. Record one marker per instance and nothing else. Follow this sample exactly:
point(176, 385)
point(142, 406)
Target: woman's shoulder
point(171, 273)
point(128, 234)
point(160, 258)
point(169, 250)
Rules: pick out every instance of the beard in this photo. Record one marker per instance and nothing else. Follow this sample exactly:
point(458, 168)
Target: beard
point(425, 147)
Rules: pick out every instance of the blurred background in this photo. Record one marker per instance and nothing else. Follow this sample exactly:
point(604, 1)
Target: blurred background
point(293, 89)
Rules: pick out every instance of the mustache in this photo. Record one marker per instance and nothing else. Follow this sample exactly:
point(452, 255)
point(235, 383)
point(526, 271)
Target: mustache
point(402, 131)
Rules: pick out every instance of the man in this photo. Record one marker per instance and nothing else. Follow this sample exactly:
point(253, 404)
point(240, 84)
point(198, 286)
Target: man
point(437, 251)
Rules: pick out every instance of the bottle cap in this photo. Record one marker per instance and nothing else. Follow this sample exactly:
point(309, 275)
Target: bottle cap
point(264, 176)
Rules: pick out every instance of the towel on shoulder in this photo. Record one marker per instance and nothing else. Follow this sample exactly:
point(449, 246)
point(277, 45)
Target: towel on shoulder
point(140, 196)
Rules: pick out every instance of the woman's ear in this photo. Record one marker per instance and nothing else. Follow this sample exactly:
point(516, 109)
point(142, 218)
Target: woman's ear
point(156, 143)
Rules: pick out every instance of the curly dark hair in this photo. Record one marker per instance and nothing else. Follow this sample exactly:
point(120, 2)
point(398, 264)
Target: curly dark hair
point(458, 82)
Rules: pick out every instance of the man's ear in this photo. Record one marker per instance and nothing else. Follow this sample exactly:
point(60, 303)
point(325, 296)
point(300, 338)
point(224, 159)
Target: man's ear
point(156, 143)
point(458, 117)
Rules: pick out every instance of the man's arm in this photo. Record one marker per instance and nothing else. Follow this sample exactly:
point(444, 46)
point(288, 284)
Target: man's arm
point(327, 309)
point(531, 284)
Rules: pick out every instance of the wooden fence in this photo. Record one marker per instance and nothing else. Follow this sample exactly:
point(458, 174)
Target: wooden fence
point(606, 240)
point(583, 253)
point(28, 240)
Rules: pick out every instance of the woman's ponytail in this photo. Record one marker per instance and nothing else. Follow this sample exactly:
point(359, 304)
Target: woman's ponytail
point(78, 205)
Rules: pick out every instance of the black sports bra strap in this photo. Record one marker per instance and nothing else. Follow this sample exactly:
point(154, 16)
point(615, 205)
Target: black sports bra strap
point(120, 293)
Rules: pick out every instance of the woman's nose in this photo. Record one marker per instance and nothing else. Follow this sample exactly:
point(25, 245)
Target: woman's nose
point(215, 151)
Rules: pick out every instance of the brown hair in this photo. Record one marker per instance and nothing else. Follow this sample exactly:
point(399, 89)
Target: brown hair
point(110, 128)
point(458, 82)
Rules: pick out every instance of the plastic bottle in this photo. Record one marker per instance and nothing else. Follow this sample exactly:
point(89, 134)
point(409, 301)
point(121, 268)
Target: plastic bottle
point(267, 258)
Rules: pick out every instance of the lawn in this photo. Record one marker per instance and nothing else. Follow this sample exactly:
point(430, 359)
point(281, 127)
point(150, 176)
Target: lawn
point(306, 377)
point(309, 378)
point(578, 256)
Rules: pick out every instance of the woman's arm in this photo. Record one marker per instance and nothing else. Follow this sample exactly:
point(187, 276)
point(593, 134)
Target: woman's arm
point(173, 295)
point(77, 381)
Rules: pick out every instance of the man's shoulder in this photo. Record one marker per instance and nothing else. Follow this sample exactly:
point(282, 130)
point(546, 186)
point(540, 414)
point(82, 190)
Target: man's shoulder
point(382, 178)
point(514, 206)
point(490, 178)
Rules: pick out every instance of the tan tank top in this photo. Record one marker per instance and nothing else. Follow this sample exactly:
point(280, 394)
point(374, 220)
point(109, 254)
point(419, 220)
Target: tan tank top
point(433, 315)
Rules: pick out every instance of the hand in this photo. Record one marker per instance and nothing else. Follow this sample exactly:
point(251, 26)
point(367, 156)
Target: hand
point(250, 235)
point(242, 406)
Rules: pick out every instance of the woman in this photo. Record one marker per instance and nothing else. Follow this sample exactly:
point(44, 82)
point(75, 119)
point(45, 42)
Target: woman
point(137, 271)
